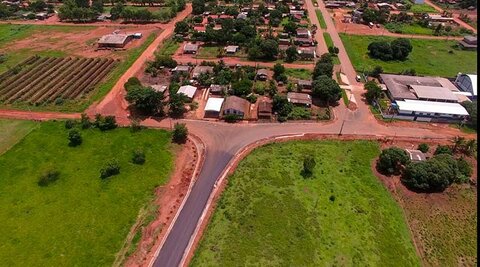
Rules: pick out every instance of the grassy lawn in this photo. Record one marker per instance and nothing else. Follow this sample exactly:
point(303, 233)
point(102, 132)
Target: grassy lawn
point(329, 42)
point(429, 57)
point(12, 131)
point(302, 74)
point(168, 47)
point(80, 219)
point(101, 89)
point(269, 215)
point(422, 8)
point(321, 21)
point(208, 51)
point(408, 28)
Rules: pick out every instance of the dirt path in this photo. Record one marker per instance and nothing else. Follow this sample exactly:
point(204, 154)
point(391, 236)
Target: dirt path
point(114, 103)
point(36, 116)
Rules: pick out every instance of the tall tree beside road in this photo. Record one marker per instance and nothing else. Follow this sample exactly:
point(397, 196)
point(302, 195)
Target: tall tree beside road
point(326, 89)
point(180, 133)
point(323, 67)
point(373, 91)
point(291, 54)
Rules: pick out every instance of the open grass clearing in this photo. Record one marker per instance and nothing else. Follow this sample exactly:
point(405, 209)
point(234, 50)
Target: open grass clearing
point(80, 219)
point(208, 51)
point(270, 215)
point(168, 47)
point(422, 8)
point(302, 74)
point(429, 57)
point(408, 28)
point(12, 131)
point(320, 18)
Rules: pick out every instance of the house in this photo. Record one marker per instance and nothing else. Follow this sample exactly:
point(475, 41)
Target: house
point(201, 69)
point(415, 155)
point(418, 110)
point(236, 106)
point(181, 69)
point(264, 109)
point(385, 6)
point(303, 41)
point(282, 41)
point(438, 18)
point(467, 83)
point(307, 53)
point(299, 99)
point(188, 91)
point(304, 84)
point(468, 43)
point(242, 15)
point(231, 49)
point(213, 107)
point(217, 89)
point(262, 75)
point(41, 15)
point(190, 48)
point(114, 40)
point(332, 4)
point(303, 33)
point(294, 12)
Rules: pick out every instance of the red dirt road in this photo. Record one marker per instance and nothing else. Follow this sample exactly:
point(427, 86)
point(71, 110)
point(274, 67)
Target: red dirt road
point(114, 103)
point(36, 116)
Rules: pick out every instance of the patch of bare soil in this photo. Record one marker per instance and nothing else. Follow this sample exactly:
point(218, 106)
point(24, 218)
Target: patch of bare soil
point(81, 43)
point(168, 199)
point(443, 225)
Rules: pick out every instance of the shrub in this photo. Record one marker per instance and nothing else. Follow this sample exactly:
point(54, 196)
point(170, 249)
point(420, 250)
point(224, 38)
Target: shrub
point(464, 167)
point(105, 123)
point(441, 149)
point(74, 138)
point(252, 98)
point(308, 166)
point(69, 124)
point(231, 118)
point(111, 168)
point(48, 177)
point(332, 198)
point(391, 160)
point(85, 121)
point(180, 133)
point(423, 147)
point(135, 125)
point(138, 157)
point(373, 91)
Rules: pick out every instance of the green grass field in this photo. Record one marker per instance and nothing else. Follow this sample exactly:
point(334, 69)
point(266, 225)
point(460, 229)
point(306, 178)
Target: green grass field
point(429, 57)
point(408, 29)
point(80, 219)
point(269, 215)
point(12, 131)
point(208, 51)
point(320, 18)
point(329, 42)
point(302, 74)
point(168, 47)
point(422, 8)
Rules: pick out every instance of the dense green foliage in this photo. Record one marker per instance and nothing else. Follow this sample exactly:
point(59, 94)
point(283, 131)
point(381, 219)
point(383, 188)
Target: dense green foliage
point(327, 89)
point(423, 147)
point(269, 215)
point(324, 66)
point(398, 49)
point(180, 133)
point(391, 160)
point(144, 99)
point(74, 138)
point(110, 169)
point(373, 91)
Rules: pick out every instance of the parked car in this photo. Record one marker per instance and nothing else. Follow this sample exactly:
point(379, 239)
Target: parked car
point(370, 24)
point(358, 78)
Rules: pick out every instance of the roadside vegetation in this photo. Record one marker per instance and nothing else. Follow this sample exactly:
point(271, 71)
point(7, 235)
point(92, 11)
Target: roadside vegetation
point(428, 57)
point(274, 212)
point(320, 18)
point(74, 205)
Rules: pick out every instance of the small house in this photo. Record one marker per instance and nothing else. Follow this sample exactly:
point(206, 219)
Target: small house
point(217, 89)
point(264, 109)
point(114, 40)
point(190, 48)
point(304, 84)
point(201, 69)
point(282, 41)
point(236, 106)
point(303, 33)
point(307, 53)
point(299, 99)
point(188, 91)
point(159, 88)
point(231, 49)
point(303, 41)
point(468, 43)
point(213, 107)
point(181, 69)
point(262, 75)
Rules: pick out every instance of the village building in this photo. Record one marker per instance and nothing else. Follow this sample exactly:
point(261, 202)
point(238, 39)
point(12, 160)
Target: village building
point(415, 155)
point(264, 110)
point(213, 107)
point(307, 53)
point(303, 33)
point(181, 69)
point(304, 85)
point(159, 88)
point(114, 40)
point(188, 90)
point(201, 69)
point(217, 89)
point(299, 99)
point(235, 105)
point(467, 83)
point(468, 43)
point(190, 48)
point(231, 49)
point(262, 74)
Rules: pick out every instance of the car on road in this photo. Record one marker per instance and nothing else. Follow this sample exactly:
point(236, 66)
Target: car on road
point(358, 78)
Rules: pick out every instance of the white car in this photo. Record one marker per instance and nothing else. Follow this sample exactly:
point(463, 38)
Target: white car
point(358, 78)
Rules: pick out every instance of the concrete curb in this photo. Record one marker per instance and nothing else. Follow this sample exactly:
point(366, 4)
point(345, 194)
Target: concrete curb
point(201, 149)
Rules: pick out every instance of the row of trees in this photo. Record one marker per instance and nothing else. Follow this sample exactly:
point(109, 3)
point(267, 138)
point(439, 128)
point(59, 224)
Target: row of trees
point(80, 10)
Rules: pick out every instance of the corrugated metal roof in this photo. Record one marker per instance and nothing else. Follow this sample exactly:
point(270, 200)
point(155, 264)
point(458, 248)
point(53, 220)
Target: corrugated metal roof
point(214, 104)
point(187, 90)
point(431, 107)
point(433, 92)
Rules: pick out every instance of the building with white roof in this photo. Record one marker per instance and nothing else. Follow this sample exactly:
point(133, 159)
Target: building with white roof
point(429, 110)
point(213, 107)
point(467, 83)
point(187, 90)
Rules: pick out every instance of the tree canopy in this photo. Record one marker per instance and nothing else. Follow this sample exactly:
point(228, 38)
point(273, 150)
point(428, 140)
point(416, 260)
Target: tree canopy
point(391, 160)
point(326, 89)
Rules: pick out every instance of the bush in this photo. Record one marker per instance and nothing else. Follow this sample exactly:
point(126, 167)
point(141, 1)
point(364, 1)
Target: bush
point(391, 160)
point(180, 133)
point(105, 123)
point(85, 121)
point(138, 157)
point(48, 177)
point(398, 49)
point(464, 167)
point(374, 91)
point(135, 125)
point(69, 124)
point(252, 98)
point(308, 166)
point(74, 138)
point(423, 147)
point(231, 118)
point(110, 169)
point(441, 149)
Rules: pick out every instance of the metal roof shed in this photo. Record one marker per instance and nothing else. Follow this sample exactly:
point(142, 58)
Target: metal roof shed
point(187, 90)
point(214, 104)
point(431, 107)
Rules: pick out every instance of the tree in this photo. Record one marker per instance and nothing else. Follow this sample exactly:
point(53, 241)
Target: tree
point(38, 6)
point(138, 157)
point(269, 48)
point(281, 106)
point(470, 147)
point(110, 169)
point(116, 11)
point(291, 27)
point(308, 166)
point(291, 54)
point(401, 47)
point(5, 11)
point(242, 87)
point(132, 82)
point(441, 149)
point(177, 105)
point(146, 100)
point(74, 138)
point(180, 133)
point(278, 69)
point(381, 50)
point(97, 5)
point(323, 67)
point(326, 89)
point(458, 143)
point(105, 123)
point(471, 108)
point(464, 167)
point(423, 147)
point(181, 27)
point(377, 70)
point(391, 160)
point(198, 7)
point(374, 91)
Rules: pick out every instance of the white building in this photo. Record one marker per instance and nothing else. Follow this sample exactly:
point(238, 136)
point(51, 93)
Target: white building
point(419, 110)
point(467, 83)
point(213, 107)
point(187, 90)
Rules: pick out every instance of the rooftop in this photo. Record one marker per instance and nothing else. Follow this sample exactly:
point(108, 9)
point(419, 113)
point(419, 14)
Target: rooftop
point(190, 47)
point(113, 39)
point(398, 85)
point(236, 103)
point(265, 107)
point(214, 104)
point(201, 69)
point(433, 92)
point(299, 98)
point(187, 90)
point(432, 107)
point(262, 72)
point(415, 155)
